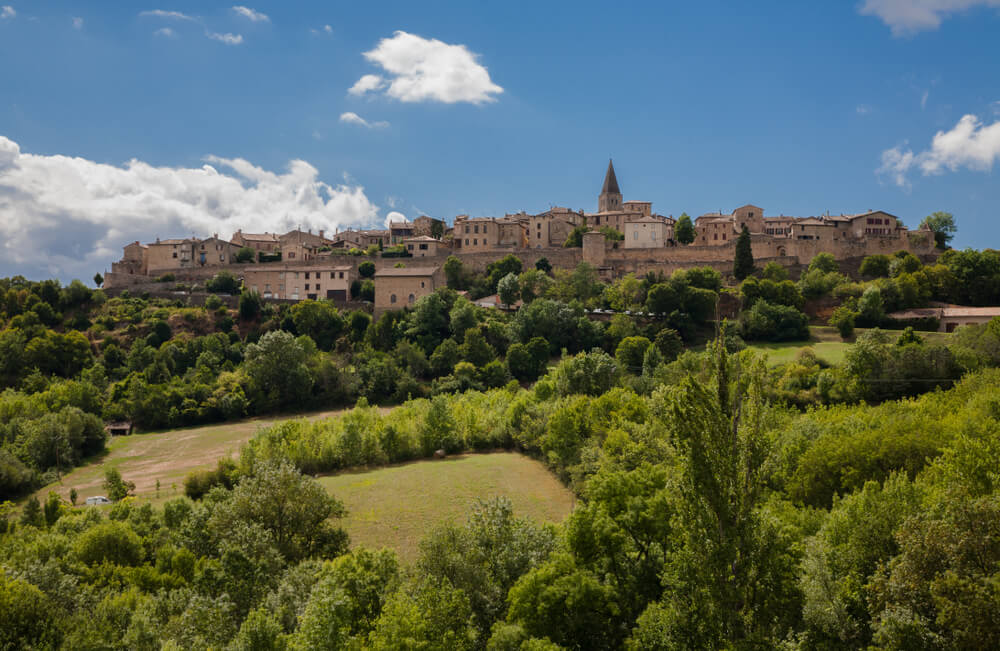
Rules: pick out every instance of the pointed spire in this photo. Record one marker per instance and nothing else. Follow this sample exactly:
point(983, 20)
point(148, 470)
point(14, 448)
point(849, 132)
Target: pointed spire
point(610, 181)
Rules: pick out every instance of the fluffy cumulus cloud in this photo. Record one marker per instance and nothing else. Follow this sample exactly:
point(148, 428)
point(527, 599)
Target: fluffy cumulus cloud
point(395, 218)
point(353, 118)
point(69, 217)
point(906, 17)
point(427, 70)
point(969, 144)
point(251, 15)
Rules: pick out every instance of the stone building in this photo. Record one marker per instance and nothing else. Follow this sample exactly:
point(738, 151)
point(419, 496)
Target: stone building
point(396, 288)
point(422, 246)
point(162, 255)
point(552, 227)
point(648, 233)
point(259, 242)
point(212, 252)
point(298, 282)
point(399, 231)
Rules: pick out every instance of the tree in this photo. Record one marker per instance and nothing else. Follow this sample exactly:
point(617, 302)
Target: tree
point(223, 282)
point(276, 365)
point(425, 614)
point(575, 238)
point(684, 230)
point(942, 224)
point(98, 280)
point(543, 265)
point(508, 289)
point(670, 344)
point(662, 298)
point(774, 271)
point(909, 337)
point(437, 229)
point(875, 266)
point(824, 262)
point(476, 350)
point(292, 507)
point(843, 320)
point(251, 305)
point(366, 269)
point(768, 322)
point(32, 513)
point(509, 264)
point(319, 320)
point(455, 274)
point(743, 260)
point(30, 620)
point(116, 487)
point(246, 254)
point(630, 352)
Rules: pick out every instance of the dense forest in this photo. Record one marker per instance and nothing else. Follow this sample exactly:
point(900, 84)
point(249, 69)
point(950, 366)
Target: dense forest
point(723, 503)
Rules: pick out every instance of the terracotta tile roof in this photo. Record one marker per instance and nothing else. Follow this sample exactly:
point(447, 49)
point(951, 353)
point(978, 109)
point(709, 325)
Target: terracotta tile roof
point(406, 271)
point(259, 237)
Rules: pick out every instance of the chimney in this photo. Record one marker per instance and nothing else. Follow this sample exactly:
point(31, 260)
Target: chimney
point(321, 231)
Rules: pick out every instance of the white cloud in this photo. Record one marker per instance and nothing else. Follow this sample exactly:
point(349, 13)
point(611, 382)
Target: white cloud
point(353, 118)
point(227, 38)
point(69, 217)
point(325, 29)
point(968, 144)
point(394, 218)
point(165, 32)
point(863, 109)
point(77, 22)
point(365, 84)
point(907, 17)
point(923, 99)
point(161, 13)
point(427, 70)
point(254, 16)
point(7, 12)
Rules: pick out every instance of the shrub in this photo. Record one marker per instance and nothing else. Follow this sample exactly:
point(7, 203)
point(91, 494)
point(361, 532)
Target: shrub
point(843, 320)
point(767, 322)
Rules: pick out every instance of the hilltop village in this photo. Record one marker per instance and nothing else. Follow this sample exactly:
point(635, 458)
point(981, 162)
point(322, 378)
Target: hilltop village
point(620, 237)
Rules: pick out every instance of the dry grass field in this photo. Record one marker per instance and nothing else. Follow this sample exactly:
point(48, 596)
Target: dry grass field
point(396, 507)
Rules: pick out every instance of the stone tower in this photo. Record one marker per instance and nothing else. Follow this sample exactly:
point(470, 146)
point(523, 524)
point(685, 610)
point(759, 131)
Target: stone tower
point(611, 196)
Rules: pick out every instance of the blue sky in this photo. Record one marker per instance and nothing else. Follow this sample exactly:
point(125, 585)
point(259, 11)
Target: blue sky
point(482, 108)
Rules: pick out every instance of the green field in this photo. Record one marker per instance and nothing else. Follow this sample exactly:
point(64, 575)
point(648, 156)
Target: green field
point(165, 456)
point(396, 507)
point(827, 344)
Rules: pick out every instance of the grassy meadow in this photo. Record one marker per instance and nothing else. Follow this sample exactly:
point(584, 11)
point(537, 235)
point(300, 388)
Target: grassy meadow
point(396, 507)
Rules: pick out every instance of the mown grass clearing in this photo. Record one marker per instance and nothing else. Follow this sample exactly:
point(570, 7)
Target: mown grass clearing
point(828, 346)
point(396, 507)
point(165, 456)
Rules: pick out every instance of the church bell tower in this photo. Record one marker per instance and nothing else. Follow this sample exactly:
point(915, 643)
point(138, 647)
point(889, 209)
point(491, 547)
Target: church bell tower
point(611, 197)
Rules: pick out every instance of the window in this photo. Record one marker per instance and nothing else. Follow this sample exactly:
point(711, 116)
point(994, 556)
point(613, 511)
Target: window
point(307, 287)
point(475, 228)
point(267, 287)
point(475, 242)
point(317, 287)
point(484, 241)
point(715, 237)
point(341, 275)
point(539, 236)
point(466, 239)
point(652, 235)
point(466, 230)
point(423, 247)
point(307, 278)
point(635, 235)
point(392, 299)
point(291, 255)
point(409, 247)
point(281, 274)
point(175, 254)
point(411, 299)
point(421, 284)
point(222, 258)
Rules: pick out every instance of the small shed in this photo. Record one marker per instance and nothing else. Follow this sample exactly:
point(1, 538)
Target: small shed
point(118, 428)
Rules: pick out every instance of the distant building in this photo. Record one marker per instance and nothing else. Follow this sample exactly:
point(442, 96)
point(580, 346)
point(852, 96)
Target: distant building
point(951, 317)
point(422, 246)
point(396, 288)
point(314, 281)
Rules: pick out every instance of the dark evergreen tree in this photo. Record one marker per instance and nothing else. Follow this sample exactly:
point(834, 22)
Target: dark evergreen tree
point(743, 260)
point(684, 229)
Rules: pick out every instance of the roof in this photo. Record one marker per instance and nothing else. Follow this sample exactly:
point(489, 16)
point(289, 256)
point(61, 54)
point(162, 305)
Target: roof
point(285, 267)
point(952, 312)
point(259, 237)
point(405, 271)
point(421, 238)
point(960, 311)
point(646, 220)
point(610, 181)
point(637, 201)
point(393, 225)
point(810, 221)
point(172, 241)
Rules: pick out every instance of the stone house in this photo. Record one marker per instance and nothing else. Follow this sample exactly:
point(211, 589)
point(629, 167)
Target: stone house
point(169, 254)
point(950, 317)
point(647, 233)
point(399, 231)
point(212, 252)
point(422, 246)
point(259, 242)
point(396, 288)
point(298, 282)
point(475, 234)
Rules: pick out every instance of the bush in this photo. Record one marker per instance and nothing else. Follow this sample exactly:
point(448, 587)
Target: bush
point(199, 482)
point(112, 542)
point(843, 320)
point(223, 282)
point(767, 322)
point(366, 269)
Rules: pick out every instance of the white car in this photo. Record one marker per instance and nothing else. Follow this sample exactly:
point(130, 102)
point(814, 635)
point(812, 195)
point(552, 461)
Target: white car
point(98, 500)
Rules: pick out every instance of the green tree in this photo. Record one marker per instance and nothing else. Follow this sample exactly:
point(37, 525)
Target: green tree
point(630, 353)
point(98, 280)
point(942, 224)
point(670, 344)
point(445, 356)
point(662, 298)
point(508, 289)
point(251, 305)
point(592, 373)
point(276, 366)
point(875, 266)
point(843, 320)
point(455, 274)
point(743, 257)
point(293, 508)
point(425, 614)
point(774, 271)
point(684, 229)
point(476, 350)
point(543, 265)
point(246, 254)
point(223, 282)
point(319, 320)
point(30, 620)
point(366, 269)
point(909, 337)
point(116, 487)
point(32, 513)
point(824, 262)
point(575, 238)
point(437, 229)
point(260, 631)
